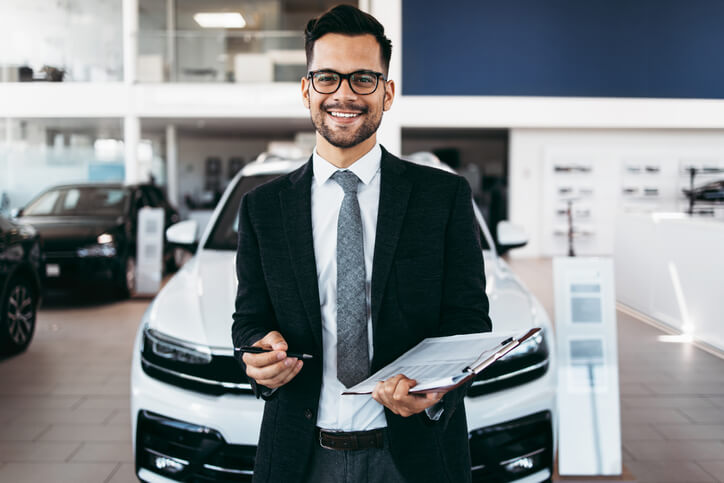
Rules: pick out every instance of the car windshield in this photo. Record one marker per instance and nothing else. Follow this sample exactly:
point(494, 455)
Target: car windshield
point(225, 232)
point(80, 200)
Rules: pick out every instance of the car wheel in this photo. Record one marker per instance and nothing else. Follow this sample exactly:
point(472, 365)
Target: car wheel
point(17, 319)
point(127, 277)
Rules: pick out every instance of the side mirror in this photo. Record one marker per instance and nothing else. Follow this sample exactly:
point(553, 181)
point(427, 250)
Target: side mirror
point(16, 212)
point(184, 234)
point(510, 235)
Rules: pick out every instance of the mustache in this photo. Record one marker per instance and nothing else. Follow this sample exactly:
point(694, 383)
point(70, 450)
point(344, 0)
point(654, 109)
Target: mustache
point(345, 107)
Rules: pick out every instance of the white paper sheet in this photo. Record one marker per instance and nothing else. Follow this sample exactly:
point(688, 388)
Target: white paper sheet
point(438, 361)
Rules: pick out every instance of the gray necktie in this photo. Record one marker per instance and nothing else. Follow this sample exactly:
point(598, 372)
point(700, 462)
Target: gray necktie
point(352, 347)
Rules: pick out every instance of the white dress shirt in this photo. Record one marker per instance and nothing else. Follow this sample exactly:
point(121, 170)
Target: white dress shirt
point(337, 412)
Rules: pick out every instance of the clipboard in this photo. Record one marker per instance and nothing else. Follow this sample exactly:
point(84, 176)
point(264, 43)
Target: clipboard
point(479, 351)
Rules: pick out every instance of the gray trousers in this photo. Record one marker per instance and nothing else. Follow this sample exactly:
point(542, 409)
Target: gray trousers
point(374, 465)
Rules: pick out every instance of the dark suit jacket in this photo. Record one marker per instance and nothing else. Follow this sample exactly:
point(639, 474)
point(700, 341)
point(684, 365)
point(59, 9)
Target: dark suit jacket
point(427, 280)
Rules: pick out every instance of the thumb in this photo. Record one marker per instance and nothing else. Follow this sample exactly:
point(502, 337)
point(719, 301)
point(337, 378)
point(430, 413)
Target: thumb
point(275, 341)
point(434, 396)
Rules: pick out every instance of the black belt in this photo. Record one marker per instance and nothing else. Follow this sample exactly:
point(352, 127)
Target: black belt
point(340, 440)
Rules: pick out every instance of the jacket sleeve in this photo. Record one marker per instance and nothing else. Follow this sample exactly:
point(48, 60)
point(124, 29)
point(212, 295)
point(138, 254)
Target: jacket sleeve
point(465, 305)
point(253, 315)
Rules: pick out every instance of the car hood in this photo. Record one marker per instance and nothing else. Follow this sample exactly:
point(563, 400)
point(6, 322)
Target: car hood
point(196, 305)
point(68, 232)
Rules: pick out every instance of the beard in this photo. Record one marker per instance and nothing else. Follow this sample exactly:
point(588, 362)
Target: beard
point(346, 137)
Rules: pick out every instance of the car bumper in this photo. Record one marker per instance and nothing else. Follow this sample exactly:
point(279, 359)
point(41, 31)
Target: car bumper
point(63, 267)
point(511, 432)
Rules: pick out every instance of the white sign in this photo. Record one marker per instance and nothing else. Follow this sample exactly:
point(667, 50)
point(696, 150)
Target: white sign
point(588, 402)
point(149, 250)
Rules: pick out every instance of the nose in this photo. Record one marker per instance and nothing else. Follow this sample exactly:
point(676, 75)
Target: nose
point(345, 91)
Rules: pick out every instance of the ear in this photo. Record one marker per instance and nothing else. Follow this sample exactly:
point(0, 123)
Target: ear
point(305, 92)
point(389, 95)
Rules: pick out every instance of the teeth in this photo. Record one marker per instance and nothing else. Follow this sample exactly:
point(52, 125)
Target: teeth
point(343, 114)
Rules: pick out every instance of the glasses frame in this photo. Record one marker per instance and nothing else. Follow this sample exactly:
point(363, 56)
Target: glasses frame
point(378, 76)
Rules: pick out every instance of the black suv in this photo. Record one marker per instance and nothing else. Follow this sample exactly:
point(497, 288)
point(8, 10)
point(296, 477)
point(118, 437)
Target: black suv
point(89, 231)
point(20, 262)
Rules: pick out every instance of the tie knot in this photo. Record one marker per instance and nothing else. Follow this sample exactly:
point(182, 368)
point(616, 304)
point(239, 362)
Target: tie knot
point(347, 180)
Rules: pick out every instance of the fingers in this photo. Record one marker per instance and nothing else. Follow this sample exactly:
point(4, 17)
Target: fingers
point(271, 369)
point(291, 368)
point(394, 393)
point(263, 359)
point(273, 340)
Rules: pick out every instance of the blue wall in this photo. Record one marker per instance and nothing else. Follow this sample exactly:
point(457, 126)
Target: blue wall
point(592, 48)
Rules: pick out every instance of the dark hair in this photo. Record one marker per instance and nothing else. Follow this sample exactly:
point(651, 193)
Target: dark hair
point(347, 20)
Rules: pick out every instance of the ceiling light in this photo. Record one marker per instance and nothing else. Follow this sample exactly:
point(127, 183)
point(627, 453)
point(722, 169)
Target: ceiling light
point(224, 20)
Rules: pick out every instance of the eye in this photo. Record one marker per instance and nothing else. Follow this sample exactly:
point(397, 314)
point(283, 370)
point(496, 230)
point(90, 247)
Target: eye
point(364, 78)
point(326, 77)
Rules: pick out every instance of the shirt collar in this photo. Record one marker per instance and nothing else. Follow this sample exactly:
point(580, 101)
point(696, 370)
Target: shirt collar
point(365, 167)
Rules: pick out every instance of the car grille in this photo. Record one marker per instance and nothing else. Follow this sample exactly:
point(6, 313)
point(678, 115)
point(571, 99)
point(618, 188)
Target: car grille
point(187, 452)
point(512, 450)
point(60, 255)
point(222, 375)
point(507, 373)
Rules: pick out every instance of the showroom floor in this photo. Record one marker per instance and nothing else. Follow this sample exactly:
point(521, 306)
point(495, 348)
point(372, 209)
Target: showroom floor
point(64, 411)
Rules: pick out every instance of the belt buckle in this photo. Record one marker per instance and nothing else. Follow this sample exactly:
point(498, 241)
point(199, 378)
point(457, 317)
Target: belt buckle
point(322, 444)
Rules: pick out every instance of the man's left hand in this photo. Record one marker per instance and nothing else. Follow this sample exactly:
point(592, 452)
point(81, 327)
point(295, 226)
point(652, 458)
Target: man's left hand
point(394, 393)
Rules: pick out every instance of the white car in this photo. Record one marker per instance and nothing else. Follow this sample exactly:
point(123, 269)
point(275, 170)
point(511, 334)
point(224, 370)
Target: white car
point(195, 418)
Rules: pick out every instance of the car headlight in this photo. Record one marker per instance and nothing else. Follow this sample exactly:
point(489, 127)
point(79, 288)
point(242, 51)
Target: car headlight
point(104, 238)
point(524, 364)
point(191, 366)
point(171, 349)
point(107, 250)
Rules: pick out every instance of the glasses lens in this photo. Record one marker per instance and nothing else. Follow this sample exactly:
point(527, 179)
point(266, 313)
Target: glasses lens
point(325, 82)
point(364, 82)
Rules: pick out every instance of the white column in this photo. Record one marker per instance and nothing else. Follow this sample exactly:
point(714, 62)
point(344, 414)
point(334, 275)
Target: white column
point(130, 40)
point(131, 122)
point(131, 137)
point(172, 164)
point(170, 62)
point(389, 14)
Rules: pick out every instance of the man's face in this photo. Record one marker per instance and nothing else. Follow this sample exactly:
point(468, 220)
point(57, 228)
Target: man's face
point(344, 118)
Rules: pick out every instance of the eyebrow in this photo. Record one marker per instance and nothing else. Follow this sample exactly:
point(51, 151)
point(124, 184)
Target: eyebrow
point(355, 70)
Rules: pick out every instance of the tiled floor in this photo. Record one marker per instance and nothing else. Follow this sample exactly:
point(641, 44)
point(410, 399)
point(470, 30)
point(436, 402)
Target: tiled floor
point(64, 404)
point(672, 397)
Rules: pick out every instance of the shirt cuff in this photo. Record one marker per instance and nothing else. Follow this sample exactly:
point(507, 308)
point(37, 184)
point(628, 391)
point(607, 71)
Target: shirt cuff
point(434, 412)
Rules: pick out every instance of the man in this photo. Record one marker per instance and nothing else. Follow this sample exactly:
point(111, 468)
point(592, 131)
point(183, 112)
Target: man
point(355, 258)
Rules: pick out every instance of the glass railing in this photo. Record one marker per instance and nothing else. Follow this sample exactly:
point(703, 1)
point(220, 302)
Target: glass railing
point(80, 69)
point(221, 56)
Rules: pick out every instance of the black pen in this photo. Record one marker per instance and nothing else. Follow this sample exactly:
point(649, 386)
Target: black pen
point(259, 350)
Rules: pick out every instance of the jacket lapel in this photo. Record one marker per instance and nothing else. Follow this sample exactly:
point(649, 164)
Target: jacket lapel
point(394, 194)
point(296, 202)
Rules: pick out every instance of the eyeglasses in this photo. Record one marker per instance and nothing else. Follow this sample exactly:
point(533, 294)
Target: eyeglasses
point(362, 82)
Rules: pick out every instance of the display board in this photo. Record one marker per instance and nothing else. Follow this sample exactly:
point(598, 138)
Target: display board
point(589, 436)
point(149, 250)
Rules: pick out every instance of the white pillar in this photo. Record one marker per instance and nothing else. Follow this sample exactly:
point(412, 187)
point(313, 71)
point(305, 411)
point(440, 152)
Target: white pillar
point(172, 164)
point(130, 40)
point(389, 14)
point(131, 122)
point(131, 137)
point(170, 62)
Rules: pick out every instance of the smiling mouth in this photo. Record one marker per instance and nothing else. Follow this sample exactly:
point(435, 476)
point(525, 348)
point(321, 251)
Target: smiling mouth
point(344, 115)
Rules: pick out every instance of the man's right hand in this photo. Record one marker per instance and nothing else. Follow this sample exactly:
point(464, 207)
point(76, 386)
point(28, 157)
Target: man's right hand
point(272, 369)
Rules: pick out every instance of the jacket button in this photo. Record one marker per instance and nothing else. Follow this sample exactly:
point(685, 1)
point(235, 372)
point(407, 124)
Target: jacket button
point(308, 413)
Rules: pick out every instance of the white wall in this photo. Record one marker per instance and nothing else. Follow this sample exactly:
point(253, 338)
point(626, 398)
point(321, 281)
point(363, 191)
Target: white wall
point(193, 151)
point(530, 182)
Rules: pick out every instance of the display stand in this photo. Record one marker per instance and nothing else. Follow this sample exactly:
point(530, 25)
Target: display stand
point(149, 250)
point(588, 397)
